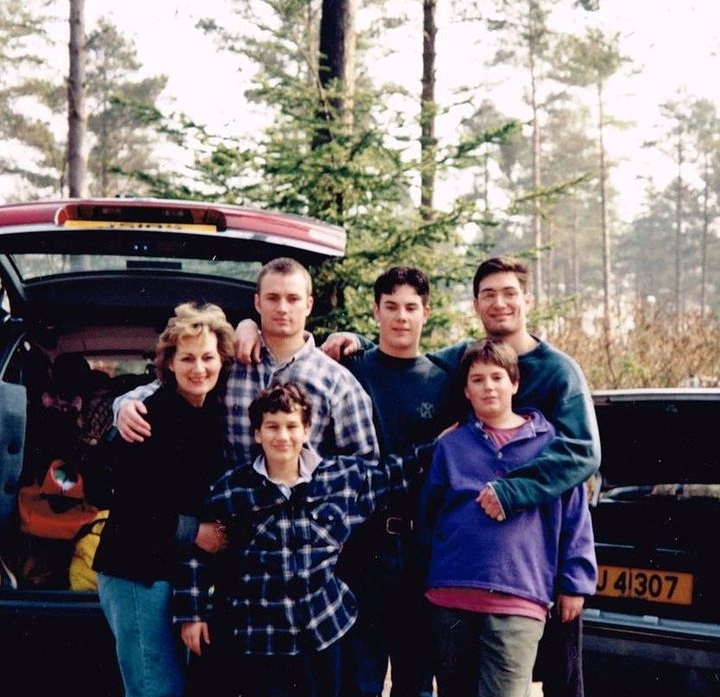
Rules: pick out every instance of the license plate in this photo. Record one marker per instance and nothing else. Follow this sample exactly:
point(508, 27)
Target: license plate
point(645, 584)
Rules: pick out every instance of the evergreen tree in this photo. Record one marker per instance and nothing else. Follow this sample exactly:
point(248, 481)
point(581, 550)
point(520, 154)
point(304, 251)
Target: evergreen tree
point(284, 169)
point(122, 117)
point(123, 121)
point(590, 62)
point(704, 125)
point(23, 41)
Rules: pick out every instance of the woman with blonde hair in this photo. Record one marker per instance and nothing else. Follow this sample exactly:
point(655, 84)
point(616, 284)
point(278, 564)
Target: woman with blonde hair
point(158, 490)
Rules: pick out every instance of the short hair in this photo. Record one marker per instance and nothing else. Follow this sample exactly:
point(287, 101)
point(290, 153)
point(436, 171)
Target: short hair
point(396, 276)
point(500, 265)
point(491, 351)
point(288, 398)
point(190, 320)
point(284, 266)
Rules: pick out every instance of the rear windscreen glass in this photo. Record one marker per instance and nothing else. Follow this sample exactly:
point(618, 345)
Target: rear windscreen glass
point(34, 266)
point(651, 442)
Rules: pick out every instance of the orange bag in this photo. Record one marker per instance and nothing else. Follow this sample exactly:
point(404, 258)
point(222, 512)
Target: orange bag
point(56, 509)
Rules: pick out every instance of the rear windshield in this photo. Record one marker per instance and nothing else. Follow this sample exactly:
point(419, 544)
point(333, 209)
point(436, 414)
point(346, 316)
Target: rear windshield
point(659, 441)
point(35, 266)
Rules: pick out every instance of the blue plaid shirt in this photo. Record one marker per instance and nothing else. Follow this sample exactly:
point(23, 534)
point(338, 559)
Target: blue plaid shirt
point(275, 584)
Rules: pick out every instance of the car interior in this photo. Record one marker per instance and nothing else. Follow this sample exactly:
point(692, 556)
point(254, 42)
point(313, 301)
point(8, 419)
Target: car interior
point(71, 380)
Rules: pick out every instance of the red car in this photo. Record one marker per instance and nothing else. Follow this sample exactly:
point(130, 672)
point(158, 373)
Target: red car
point(85, 286)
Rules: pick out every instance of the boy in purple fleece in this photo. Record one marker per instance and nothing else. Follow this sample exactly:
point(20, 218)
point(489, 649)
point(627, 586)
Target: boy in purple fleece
point(491, 583)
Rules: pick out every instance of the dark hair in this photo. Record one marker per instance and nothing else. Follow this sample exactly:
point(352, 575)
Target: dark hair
point(501, 265)
point(491, 351)
point(285, 266)
point(192, 319)
point(287, 398)
point(396, 276)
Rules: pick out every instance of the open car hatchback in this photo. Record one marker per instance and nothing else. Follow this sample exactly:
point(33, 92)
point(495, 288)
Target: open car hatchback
point(86, 286)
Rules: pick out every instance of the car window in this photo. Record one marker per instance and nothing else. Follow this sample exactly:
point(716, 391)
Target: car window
point(668, 441)
point(121, 364)
point(35, 266)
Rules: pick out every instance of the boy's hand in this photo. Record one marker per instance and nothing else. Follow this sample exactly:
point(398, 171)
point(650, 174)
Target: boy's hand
point(194, 635)
point(568, 607)
point(130, 422)
point(340, 344)
point(247, 342)
point(491, 504)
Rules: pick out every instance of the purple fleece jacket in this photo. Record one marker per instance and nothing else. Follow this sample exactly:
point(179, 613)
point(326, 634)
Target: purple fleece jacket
point(543, 551)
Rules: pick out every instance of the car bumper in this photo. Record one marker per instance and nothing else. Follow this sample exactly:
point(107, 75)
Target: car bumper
point(681, 643)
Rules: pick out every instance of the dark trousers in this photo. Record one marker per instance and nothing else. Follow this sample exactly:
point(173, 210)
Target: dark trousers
point(393, 627)
point(224, 672)
point(559, 661)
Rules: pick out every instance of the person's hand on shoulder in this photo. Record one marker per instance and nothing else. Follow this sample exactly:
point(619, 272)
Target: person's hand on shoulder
point(340, 344)
point(247, 342)
point(131, 425)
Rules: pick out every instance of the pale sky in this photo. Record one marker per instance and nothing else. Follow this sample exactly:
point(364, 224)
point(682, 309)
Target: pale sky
point(202, 81)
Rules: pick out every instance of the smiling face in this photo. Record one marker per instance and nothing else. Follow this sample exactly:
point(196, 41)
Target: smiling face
point(282, 435)
point(502, 305)
point(196, 365)
point(401, 316)
point(490, 390)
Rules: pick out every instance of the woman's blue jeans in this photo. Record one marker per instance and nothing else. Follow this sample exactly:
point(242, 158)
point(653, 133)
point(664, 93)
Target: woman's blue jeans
point(146, 646)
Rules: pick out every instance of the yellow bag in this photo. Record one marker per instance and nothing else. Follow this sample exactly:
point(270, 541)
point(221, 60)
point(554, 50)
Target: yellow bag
point(82, 576)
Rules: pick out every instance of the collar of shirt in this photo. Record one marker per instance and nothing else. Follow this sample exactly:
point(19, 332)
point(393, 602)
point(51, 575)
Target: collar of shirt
point(308, 345)
point(309, 461)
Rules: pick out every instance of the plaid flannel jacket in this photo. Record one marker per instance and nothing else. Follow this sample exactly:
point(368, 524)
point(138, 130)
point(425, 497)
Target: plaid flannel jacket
point(276, 583)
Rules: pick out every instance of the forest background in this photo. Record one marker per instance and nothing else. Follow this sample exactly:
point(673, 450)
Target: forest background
point(516, 153)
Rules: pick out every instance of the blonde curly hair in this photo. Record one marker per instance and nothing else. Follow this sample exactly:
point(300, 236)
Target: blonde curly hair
point(190, 320)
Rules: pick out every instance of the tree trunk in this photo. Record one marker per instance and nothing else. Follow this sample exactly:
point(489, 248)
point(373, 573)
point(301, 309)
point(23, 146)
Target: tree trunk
point(337, 61)
point(428, 141)
point(607, 266)
point(538, 276)
point(678, 229)
point(336, 67)
point(77, 118)
point(705, 233)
